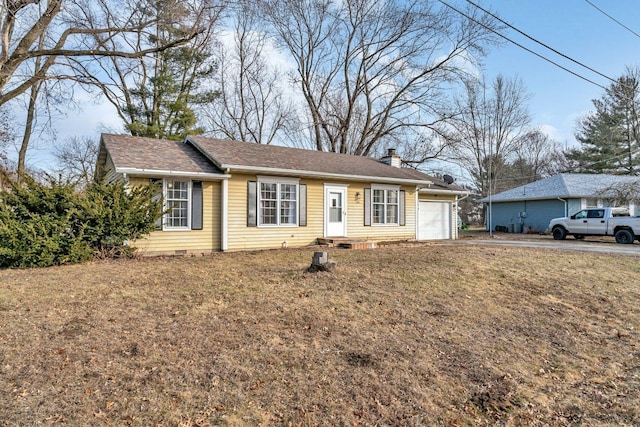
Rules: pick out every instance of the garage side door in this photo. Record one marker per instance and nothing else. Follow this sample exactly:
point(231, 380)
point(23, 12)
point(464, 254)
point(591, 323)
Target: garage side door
point(434, 221)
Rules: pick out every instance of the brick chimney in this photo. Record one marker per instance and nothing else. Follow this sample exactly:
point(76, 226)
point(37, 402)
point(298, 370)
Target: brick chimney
point(392, 159)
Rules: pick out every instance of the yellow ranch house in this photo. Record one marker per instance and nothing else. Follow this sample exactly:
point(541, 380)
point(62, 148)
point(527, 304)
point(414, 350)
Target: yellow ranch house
point(223, 195)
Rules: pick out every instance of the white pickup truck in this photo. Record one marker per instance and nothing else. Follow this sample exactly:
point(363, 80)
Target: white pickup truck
point(598, 222)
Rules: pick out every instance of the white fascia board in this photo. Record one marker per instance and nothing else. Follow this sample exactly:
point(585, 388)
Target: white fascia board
point(179, 174)
point(311, 174)
point(449, 192)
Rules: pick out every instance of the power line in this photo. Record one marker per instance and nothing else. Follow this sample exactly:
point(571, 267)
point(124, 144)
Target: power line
point(541, 43)
point(613, 19)
point(522, 47)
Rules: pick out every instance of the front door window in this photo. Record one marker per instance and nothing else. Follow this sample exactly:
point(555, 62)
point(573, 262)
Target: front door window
point(335, 211)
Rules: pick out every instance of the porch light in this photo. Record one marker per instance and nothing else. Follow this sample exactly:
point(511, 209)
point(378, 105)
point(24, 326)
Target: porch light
point(357, 195)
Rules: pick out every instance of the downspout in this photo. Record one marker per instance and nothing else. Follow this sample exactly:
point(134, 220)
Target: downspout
point(224, 223)
point(566, 206)
point(417, 214)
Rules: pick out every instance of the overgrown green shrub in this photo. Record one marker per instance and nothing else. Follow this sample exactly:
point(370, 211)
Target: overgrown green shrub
point(115, 216)
point(43, 225)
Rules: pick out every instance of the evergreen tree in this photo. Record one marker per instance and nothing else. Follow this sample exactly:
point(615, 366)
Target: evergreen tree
point(162, 104)
point(609, 136)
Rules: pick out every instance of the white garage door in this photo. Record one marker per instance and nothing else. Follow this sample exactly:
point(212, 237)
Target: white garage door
point(434, 221)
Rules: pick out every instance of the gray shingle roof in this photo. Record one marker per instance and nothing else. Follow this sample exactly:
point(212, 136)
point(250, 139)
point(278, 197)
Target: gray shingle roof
point(130, 152)
point(565, 185)
point(248, 156)
point(210, 155)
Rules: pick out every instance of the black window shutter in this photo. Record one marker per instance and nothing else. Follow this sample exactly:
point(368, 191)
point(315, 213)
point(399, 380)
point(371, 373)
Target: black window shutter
point(252, 204)
point(401, 209)
point(196, 205)
point(303, 205)
point(367, 206)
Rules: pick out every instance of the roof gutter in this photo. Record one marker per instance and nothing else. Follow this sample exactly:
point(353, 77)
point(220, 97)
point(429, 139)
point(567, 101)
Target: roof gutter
point(486, 199)
point(178, 174)
point(312, 174)
point(456, 192)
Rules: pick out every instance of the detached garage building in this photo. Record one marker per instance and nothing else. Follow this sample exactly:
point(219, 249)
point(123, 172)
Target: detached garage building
point(530, 207)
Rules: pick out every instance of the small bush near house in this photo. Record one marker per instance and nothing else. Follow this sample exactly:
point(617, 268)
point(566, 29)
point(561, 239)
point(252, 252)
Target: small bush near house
point(115, 216)
point(51, 224)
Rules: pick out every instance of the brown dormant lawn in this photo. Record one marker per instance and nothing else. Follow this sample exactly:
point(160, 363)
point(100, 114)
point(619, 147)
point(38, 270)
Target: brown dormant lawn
point(421, 335)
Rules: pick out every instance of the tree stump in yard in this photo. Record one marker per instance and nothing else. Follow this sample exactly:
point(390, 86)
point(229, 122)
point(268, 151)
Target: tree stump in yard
point(321, 262)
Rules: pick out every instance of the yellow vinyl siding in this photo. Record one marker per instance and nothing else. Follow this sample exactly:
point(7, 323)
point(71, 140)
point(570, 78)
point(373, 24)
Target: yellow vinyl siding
point(191, 241)
point(355, 217)
point(240, 236)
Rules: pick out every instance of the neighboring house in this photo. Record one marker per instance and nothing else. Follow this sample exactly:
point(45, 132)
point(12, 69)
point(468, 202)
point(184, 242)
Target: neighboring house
point(530, 207)
point(230, 195)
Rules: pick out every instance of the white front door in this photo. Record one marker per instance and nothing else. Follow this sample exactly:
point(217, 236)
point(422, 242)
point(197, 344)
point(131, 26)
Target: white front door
point(335, 211)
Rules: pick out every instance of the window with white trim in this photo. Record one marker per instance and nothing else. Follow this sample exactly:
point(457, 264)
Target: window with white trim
point(177, 200)
point(385, 204)
point(277, 203)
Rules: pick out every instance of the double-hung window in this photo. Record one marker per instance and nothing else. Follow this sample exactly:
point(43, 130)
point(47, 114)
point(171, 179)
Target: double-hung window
point(277, 203)
point(177, 202)
point(182, 204)
point(384, 205)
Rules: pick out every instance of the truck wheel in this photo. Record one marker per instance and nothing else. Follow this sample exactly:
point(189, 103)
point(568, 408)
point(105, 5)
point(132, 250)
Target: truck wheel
point(625, 237)
point(559, 233)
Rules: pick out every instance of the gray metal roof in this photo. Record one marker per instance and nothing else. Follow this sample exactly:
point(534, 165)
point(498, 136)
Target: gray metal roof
point(564, 185)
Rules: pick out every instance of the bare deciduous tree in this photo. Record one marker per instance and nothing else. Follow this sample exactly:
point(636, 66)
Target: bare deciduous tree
point(374, 73)
point(537, 157)
point(38, 37)
point(6, 133)
point(73, 28)
point(251, 106)
point(621, 194)
point(76, 158)
point(492, 126)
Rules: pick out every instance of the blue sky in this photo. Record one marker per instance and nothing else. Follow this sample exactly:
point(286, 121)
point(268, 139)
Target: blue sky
point(578, 30)
point(573, 27)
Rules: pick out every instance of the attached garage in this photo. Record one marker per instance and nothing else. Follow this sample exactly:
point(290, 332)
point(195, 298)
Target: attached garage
point(435, 220)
